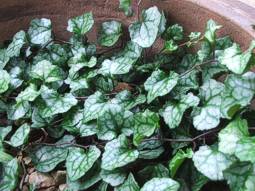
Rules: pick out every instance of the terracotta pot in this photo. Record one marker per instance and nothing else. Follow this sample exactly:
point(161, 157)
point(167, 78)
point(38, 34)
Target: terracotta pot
point(236, 16)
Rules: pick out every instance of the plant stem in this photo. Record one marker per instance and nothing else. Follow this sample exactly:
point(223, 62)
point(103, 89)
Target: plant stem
point(196, 66)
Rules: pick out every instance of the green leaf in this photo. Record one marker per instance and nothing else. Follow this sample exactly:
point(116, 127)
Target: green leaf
point(18, 110)
point(46, 158)
point(46, 71)
point(174, 32)
point(244, 149)
point(117, 153)
point(82, 24)
point(58, 54)
point(4, 81)
point(78, 161)
point(110, 33)
point(240, 176)
point(28, 94)
point(123, 61)
point(110, 122)
point(178, 159)
point(145, 32)
point(37, 120)
point(126, 6)
point(161, 184)
point(160, 84)
point(238, 93)
point(235, 60)
point(56, 103)
point(88, 180)
point(129, 185)
point(145, 125)
point(40, 32)
point(4, 58)
point(20, 136)
point(114, 177)
point(73, 123)
point(211, 162)
point(127, 100)
point(17, 43)
point(16, 76)
point(94, 106)
point(10, 176)
point(152, 171)
point(208, 116)
point(173, 112)
point(230, 135)
point(102, 187)
point(4, 158)
point(210, 33)
point(4, 131)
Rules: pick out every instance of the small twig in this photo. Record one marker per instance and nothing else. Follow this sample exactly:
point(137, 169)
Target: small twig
point(138, 9)
point(63, 41)
point(62, 144)
point(196, 66)
point(23, 176)
point(86, 97)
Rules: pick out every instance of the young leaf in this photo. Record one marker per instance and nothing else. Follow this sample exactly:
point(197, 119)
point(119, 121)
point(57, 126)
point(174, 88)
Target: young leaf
point(10, 175)
point(110, 33)
point(129, 185)
point(174, 32)
point(240, 176)
point(20, 136)
point(40, 32)
point(178, 159)
point(78, 161)
point(117, 154)
point(160, 84)
point(244, 149)
point(230, 135)
point(173, 112)
point(161, 184)
point(46, 71)
point(56, 103)
point(126, 6)
point(145, 32)
point(17, 43)
point(81, 25)
point(114, 177)
point(235, 60)
point(4, 81)
point(211, 162)
point(211, 29)
point(145, 125)
point(208, 116)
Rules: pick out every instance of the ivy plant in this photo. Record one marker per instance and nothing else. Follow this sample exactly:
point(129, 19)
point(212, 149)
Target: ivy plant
point(132, 117)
